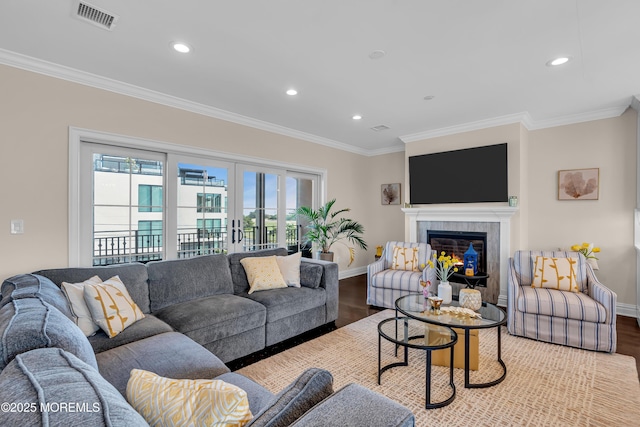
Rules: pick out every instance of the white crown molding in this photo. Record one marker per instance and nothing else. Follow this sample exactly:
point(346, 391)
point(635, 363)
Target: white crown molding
point(525, 120)
point(522, 118)
point(635, 102)
point(69, 74)
point(570, 119)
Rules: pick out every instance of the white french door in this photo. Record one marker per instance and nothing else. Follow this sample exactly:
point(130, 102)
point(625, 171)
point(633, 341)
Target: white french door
point(156, 201)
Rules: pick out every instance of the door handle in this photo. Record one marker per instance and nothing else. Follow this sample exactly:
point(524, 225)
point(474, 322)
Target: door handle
point(233, 231)
point(240, 235)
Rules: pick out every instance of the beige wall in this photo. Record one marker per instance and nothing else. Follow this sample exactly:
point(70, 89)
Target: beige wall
point(610, 145)
point(36, 112)
point(544, 222)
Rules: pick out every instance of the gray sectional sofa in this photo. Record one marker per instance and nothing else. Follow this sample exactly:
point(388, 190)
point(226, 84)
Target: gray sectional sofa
point(198, 315)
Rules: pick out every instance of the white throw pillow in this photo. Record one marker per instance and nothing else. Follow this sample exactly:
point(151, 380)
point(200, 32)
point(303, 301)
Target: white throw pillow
point(290, 268)
point(79, 309)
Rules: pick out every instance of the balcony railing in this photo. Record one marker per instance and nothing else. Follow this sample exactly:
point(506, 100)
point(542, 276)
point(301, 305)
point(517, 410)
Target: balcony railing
point(119, 247)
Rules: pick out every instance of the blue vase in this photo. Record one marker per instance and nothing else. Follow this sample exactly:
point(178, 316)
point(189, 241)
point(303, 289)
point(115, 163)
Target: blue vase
point(470, 261)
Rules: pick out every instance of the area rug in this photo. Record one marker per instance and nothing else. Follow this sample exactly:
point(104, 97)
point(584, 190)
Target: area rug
point(546, 384)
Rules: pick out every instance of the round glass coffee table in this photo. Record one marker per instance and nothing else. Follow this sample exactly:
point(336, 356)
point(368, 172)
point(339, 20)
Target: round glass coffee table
point(408, 332)
point(416, 307)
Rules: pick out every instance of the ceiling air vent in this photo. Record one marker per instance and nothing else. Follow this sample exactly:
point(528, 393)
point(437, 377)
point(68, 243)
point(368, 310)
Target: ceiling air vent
point(380, 128)
point(96, 16)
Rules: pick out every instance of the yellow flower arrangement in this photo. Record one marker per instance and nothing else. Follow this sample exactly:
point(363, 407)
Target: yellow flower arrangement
point(586, 249)
point(444, 265)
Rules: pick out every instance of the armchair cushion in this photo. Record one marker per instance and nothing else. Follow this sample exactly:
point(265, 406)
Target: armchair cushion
point(555, 273)
point(569, 305)
point(524, 266)
point(405, 259)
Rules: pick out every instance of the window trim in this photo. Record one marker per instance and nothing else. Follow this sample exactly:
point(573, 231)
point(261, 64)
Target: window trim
point(79, 135)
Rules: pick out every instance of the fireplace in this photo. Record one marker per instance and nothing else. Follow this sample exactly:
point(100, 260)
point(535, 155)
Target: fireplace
point(457, 243)
point(494, 220)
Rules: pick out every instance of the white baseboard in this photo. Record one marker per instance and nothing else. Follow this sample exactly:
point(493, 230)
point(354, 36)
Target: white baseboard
point(343, 274)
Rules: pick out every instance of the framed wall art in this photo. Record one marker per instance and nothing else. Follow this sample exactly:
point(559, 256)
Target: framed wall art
point(579, 184)
point(390, 194)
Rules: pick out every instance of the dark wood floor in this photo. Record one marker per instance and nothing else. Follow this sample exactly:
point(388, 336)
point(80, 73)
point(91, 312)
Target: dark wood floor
point(353, 307)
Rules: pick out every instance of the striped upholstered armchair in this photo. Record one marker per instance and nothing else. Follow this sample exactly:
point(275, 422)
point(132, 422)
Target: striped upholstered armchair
point(584, 319)
point(391, 276)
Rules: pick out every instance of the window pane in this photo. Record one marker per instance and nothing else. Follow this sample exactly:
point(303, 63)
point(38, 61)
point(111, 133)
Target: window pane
point(127, 209)
point(202, 211)
point(299, 193)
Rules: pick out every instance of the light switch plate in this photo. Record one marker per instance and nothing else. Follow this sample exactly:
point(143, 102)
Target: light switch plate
point(17, 226)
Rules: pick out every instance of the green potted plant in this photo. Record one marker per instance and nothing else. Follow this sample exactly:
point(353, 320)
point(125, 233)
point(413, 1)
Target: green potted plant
point(326, 228)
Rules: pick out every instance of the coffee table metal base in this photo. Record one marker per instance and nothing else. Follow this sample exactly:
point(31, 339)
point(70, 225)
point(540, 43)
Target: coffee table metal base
point(405, 344)
point(467, 382)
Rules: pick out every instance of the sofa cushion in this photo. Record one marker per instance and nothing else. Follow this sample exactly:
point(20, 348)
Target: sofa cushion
point(34, 285)
point(238, 275)
point(111, 306)
point(310, 274)
point(175, 281)
point(29, 323)
point(162, 401)
point(143, 328)
point(355, 405)
point(569, 305)
point(170, 354)
point(52, 378)
point(133, 275)
point(310, 388)
point(210, 319)
point(287, 302)
point(397, 279)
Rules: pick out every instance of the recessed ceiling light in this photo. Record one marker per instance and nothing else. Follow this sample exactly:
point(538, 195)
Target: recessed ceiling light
point(377, 54)
point(558, 61)
point(357, 117)
point(181, 47)
point(292, 92)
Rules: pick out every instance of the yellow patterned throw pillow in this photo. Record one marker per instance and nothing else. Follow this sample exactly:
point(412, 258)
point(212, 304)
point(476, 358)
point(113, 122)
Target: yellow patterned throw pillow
point(263, 273)
point(168, 402)
point(405, 259)
point(111, 306)
point(555, 273)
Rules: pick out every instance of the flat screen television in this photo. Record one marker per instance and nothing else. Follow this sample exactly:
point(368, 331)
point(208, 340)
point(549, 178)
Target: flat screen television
point(472, 175)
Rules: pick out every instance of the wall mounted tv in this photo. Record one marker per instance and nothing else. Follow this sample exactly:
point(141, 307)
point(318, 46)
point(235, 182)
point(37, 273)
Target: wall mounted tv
point(472, 175)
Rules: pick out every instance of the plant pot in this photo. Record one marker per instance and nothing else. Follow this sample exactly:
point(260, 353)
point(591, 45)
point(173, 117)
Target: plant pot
point(324, 256)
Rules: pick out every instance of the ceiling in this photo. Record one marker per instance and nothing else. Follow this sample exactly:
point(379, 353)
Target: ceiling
point(483, 62)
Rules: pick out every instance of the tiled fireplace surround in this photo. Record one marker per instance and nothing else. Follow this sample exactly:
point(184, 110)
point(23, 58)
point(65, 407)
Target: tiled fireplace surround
point(495, 221)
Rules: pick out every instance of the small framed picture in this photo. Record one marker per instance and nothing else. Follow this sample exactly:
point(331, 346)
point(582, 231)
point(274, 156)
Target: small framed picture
point(390, 194)
point(579, 184)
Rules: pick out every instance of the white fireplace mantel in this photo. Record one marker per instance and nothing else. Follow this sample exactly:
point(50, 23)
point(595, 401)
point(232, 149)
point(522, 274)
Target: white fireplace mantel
point(467, 213)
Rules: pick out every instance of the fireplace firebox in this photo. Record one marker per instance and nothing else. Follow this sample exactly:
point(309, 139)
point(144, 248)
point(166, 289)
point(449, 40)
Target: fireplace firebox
point(457, 242)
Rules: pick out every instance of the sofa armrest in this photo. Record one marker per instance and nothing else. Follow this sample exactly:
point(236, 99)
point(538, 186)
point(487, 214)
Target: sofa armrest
point(376, 267)
point(330, 282)
point(355, 405)
point(603, 295)
point(513, 291)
